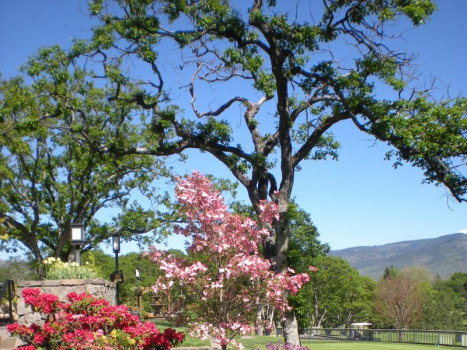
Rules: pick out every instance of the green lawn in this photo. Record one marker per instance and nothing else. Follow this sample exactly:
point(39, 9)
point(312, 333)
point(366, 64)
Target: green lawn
point(189, 341)
point(260, 342)
point(327, 345)
point(254, 342)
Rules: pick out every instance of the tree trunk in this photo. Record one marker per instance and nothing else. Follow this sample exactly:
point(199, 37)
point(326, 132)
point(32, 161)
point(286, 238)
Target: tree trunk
point(40, 266)
point(290, 329)
point(276, 249)
point(401, 336)
point(259, 321)
point(271, 326)
point(289, 323)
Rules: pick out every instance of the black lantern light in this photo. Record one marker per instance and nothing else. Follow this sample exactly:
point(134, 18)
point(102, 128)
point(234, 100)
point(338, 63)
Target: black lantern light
point(116, 243)
point(138, 289)
point(117, 276)
point(77, 239)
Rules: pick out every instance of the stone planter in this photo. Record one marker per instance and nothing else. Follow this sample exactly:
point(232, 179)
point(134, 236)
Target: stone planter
point(97, 287)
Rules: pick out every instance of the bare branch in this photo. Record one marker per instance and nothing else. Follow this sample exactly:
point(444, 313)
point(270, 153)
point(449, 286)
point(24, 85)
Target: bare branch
point(213, 113)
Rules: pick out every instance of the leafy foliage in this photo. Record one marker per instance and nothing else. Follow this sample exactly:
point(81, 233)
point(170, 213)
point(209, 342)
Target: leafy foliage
point(17, 269)
point(149, 272)
point(336, 296)
point(51, 174)
point(304, 242)
point(445, 307)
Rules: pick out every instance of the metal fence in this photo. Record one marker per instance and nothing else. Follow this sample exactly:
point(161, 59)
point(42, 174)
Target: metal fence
point(447, 338)
point(7, 294)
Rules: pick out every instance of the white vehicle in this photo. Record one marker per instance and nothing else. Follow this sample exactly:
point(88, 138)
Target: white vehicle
point(356, 330)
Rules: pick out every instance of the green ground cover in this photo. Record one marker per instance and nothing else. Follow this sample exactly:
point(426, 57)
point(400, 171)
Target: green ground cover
point(260, 342)
point(328, 345)
point(189, 341)
point(424, 337)
point(253, 342)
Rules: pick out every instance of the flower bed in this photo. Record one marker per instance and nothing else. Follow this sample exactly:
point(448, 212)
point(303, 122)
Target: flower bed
point(55, 269)
point(86, 322)
point(61, 288)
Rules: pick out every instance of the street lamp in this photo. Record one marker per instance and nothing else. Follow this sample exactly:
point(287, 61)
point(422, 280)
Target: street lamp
point(117, 276)
point(138, 289)
point(77, 239)
point(116, 244)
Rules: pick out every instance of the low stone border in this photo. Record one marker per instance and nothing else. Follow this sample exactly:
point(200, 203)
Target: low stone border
point(97, 287)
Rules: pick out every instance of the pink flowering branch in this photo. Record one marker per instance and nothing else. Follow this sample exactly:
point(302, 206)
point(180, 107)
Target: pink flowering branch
point(231, 281)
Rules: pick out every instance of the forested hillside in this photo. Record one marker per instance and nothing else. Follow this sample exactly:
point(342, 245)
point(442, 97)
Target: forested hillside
point(444, 255)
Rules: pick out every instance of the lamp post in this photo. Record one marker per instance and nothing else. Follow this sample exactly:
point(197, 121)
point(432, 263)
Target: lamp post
point(77, 239)
point(138, 289)
point(117, 275)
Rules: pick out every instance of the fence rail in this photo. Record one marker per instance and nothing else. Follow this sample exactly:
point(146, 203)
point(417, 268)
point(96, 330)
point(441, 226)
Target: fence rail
point(7, 293)
point(448, 338)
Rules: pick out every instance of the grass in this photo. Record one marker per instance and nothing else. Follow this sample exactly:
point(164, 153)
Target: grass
point(328, 345)
point(261, 342)
point(255, 342)
point(189, 341)
point(410, 336)
point(193, 342)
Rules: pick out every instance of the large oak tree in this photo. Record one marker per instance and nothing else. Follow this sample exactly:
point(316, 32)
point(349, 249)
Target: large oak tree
point(49, 179)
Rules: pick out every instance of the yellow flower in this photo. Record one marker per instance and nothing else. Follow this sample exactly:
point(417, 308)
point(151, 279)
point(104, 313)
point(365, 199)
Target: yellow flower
point(49, 260)
point(104, 339)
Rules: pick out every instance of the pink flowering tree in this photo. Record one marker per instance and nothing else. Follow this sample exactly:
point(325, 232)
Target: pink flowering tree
point(224, 278)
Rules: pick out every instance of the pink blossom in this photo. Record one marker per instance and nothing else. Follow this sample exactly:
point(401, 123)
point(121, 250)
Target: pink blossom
point(313, 269)
point(269, 211)
point(233, 277)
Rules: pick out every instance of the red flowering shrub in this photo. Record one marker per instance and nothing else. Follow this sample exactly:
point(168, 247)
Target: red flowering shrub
point(87, 323)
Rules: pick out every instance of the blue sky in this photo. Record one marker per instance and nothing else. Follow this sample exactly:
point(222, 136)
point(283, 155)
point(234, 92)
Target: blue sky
point(359, 200)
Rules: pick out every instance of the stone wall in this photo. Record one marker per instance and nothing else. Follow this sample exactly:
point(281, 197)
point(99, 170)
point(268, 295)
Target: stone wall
point(97, 287)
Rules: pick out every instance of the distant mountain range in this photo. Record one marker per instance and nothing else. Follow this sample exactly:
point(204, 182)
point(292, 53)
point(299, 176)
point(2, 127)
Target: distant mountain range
point(443, 255)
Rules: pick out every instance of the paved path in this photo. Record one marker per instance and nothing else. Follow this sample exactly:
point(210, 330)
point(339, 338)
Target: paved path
point(7, 342)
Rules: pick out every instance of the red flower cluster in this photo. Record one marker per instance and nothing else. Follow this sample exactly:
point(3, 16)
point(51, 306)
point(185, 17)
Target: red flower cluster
point(88, 323)
point(46, 302)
